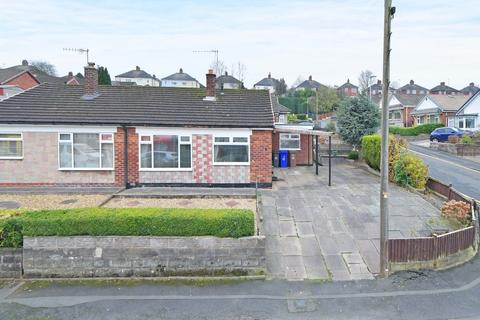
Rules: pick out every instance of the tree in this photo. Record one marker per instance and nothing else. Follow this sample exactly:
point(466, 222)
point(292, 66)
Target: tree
point(326, 99)
point(241, 70)
point(45, 67)
point(365, 79)
point(103, 76)
point(299, 80)
point(357, 117)
point(219, 67)
point(281, 87)
point(79, 75)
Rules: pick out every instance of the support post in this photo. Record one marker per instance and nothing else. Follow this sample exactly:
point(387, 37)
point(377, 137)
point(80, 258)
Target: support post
point(389, 11)
point(329, 161)
point(316, 155)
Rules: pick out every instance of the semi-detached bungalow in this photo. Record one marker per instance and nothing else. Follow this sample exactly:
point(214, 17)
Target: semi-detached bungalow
point(91, 135)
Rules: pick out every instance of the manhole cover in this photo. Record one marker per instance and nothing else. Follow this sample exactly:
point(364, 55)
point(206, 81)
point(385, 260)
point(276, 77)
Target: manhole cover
point(9, 205)
point(69, 201)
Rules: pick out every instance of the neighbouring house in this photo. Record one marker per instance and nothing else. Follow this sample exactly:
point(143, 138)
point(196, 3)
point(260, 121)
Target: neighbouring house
point(468, 116)
point(18, 77)
point(139, 77)
point(93, 135)
point(267, 83)
point(375, 89)
point(294, 138)
point(443, 89)
point(180, 80)
point(348, 89)
point(280, 112)
point(8, 91)
point(400, 107)
point(438, 109)
point(227, 81)
point(470, 90)
point(71, 79)
point(309, 84)
point(413, 89)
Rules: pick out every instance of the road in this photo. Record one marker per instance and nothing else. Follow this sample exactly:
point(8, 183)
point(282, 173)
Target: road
point(463, 174)
point(451, 294)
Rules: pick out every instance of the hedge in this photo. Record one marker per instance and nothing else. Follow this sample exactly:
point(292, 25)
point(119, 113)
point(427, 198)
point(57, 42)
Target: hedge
point(416, 130)
point(371, 145)
point(127, 222)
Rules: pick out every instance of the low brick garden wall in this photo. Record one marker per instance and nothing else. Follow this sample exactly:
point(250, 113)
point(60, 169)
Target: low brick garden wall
point(459, 149)
point(115, 256)
point(10, 263)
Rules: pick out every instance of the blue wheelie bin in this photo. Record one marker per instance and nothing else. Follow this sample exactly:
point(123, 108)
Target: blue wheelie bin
point(283, 154)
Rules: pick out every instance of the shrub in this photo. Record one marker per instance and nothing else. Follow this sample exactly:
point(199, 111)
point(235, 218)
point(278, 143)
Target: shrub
point(467, 139)
point(459, 211)
point(353, 155)
point(416, 130)
point(410, 170)
point(331, 127)
point(292, 117)
point(371, 147)
point(302, 116)
point(127, 222)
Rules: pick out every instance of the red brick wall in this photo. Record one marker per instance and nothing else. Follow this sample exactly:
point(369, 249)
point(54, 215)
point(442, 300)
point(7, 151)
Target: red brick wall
point(261, 156)
point(408, 117)
point(304, 156)
point(24, 81)
point(132, 149)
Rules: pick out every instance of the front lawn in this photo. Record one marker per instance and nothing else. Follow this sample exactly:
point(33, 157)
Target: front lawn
point(126, 222)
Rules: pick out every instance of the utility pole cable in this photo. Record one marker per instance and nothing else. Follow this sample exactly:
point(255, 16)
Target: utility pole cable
point(389, 12)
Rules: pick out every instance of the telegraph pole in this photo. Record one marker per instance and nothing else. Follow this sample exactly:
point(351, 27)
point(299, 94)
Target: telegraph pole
point(389, 12)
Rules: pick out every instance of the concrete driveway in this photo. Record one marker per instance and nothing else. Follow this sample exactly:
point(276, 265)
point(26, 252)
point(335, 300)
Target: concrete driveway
point(319, 232)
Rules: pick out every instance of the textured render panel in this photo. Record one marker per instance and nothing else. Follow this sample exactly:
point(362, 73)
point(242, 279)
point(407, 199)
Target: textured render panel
point(231, 174)
point(142, 256)
point(166, 177)
point(40, 165)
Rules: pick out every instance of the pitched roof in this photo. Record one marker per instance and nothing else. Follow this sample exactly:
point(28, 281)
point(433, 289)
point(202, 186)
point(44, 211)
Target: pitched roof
point(277, 106)
point(442, 87)
point(136, 73)
point(347, 85)
point(139, 106)
point(470, 89)
point(412, 86)
point(471, 98)
point(408, 99)
point(448, 102)
point(310, 84)
point(180, 76)
point(268, 81)
point(37, 73)
point(226, 78)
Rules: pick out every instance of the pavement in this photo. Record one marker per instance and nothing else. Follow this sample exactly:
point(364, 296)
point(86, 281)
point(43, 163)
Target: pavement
point(318, 232)
point(462, 173)
point(451, 294)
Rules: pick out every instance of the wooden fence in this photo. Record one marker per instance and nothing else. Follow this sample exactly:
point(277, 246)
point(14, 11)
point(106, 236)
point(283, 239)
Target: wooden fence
point(447, 191)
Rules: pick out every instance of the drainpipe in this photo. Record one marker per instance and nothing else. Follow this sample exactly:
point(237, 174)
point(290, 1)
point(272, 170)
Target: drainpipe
point(125, 155)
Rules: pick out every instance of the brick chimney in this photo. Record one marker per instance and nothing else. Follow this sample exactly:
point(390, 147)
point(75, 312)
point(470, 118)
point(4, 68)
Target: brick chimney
point(90, 89)
point(379, 81)
point(70, 73)
point(137, 68)
point(411, 82)
point(442, 83)
point(210, 85)
point(310, 78)
point(472, 84)
point(24, 63)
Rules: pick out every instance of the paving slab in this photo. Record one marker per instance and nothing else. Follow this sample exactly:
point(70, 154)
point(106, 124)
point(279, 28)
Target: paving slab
point(287, 228)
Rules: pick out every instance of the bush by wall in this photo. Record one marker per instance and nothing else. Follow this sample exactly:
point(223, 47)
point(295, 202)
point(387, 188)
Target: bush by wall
point(127, 222)
point(353, 155)
point(457, 210)
point(416, 130)
point(410, 170)
point(371, 147)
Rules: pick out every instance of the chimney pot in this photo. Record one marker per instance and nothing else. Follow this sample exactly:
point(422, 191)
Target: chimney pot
point(226, 73)
point(90, 88)
point(472, 84)
point(379, 81)
point(348, 80)
point(411, 82)
point(137, 68)
point(70, 74)
point(210, 85)
point(181, 70)
point(269, 75)
point(310, 78)
point(24, 63)
point(442, 83)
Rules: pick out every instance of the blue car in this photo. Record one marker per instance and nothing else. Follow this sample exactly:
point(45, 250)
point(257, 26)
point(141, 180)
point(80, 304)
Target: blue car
point(442, 134)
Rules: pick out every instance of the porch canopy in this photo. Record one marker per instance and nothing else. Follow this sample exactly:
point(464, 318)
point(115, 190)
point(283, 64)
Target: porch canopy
point(316, 134)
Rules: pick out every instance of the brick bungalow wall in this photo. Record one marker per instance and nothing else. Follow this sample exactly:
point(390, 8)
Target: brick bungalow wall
point(304, 156)
point(24, 81)
point(261, 157)
point(407, 116)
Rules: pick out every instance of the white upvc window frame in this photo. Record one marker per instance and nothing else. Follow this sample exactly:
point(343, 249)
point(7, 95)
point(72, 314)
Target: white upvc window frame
point(230, 142)
point(150, 142)
point(13, 139)
point(282, 135)
point(100, 142)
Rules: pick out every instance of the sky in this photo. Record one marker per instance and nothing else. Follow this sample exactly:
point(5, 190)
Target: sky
point(432, 40)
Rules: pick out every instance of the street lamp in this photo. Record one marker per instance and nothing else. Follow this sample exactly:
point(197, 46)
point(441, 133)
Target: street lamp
point(371, 77)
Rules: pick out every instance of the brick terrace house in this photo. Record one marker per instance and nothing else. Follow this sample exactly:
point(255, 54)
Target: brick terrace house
point(412, 88)
point(470, 90)
point(443, 89)
point(438, 109)
point(348, 89)
point(91, 135)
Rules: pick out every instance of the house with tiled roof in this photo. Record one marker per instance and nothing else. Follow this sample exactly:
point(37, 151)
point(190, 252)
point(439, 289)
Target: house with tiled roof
point(413, 89)
point(139, 77)
point(470, 90)
point(267, 83)
point(309, 84)
point(438, 108)
point(348, 89)
point(226, 81)
point(96, 135)
point(8, 91)
point(400, 107)
point(443, 89)
point(19, 76)
point(468, 116)
point(180, 79)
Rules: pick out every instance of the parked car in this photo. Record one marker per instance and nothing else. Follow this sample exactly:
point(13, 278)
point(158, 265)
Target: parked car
point(442, 134)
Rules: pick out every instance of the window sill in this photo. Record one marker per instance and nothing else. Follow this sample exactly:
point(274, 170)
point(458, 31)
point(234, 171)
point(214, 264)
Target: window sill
point(11, 158)
point(86, 169)
point(289, 149)
point(165, 170)
point(231, 163)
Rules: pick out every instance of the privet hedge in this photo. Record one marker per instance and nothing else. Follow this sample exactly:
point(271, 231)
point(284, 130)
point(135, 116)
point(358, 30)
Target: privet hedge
point(416, 130)
point(127, 222)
